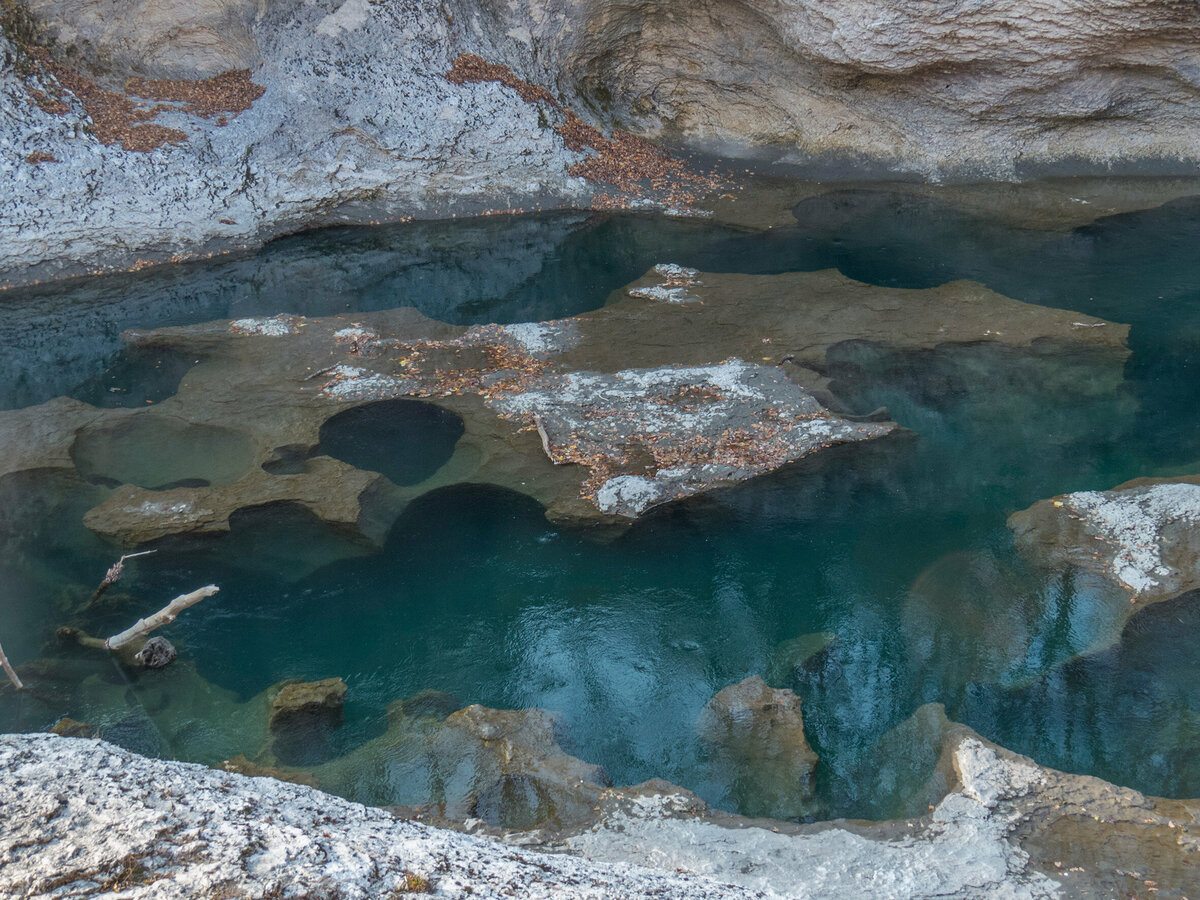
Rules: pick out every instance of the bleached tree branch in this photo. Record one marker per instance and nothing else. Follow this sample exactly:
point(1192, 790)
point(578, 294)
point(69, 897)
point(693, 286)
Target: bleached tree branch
point(10, 671)
point(164, 616)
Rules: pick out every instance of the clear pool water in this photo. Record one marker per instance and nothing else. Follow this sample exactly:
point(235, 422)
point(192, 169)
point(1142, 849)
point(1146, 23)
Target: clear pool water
point(899, 552)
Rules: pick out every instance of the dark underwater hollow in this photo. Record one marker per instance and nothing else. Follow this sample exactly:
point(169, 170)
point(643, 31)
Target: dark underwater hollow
point(404, 440)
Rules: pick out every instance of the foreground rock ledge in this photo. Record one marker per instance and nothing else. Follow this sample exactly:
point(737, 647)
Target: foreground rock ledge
point(90, 818)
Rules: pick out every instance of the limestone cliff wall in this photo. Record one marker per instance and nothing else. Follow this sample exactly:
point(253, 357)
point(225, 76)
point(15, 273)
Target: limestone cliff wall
point(941, 88)
point(357, 113)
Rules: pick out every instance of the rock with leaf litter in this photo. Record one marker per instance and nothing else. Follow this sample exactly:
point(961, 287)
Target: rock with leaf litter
point(650, 436)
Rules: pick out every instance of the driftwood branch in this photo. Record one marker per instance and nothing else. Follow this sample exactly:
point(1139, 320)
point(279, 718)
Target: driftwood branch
point(164, 616)
point(114, 572)
point(10, 671)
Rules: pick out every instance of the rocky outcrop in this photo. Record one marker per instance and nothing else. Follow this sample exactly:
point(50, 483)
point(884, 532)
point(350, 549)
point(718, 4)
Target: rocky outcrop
point(584, 414)
point(755, 735)
point(942, 88)
point(356, 115)
point(92, 817)
point(1142, 537)
point(304, 704)
point(152, 39)
point(1000, 825)
point(356, 119)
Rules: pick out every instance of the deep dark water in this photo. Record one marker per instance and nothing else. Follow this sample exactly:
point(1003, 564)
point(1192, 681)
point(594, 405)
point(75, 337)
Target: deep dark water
point(898, 550)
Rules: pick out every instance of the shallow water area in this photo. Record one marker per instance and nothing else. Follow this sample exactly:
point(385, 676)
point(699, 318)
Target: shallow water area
point(869, 579)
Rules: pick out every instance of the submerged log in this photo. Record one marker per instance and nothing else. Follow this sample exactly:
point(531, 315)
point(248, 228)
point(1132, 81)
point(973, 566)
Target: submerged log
point(10, 671)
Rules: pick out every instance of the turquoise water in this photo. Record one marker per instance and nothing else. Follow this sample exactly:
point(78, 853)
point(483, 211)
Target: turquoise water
point(899, 550)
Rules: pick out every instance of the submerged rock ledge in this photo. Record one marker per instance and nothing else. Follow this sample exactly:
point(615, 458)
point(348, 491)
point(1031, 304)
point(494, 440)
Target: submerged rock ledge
point(89, 817)
point(599, 418)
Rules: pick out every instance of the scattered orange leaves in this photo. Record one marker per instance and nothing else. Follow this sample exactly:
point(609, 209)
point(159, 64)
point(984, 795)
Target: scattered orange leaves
point(119, 119)
point(633, 165)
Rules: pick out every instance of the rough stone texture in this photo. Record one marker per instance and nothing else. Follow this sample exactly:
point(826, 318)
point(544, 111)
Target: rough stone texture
point(943, 88)
point(356, 114)
point(304, 703)
point(1142, 536)
point(93, 817)
point(242, 433)
point(358, 120)
point(999, 826)
point(151, 38)
point(756, 733)
point(156, 653)
point(698, 427)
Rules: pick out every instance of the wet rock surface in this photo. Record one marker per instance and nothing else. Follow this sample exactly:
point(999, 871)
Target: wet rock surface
point(583, 414)
point(242, 766)
point(756, 734)
point(68, 727)
point(1143, 537)
point(156, 653)
point(307, 703)
point(504, 768)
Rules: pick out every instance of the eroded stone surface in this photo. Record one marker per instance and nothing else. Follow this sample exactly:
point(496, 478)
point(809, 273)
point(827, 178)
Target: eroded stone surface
point(937, 88)
point(357, 114)
point(91, 816)
point(645, 402)
point(1006, 828)
point(698, 426)
point(1144, 536)
point(755, 733)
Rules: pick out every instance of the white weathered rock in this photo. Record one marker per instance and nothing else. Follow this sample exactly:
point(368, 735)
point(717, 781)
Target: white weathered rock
point(82, 814)
point(359, 120)
point(703, 426)
point(1135, 524)
point(357, 114)
point(961, 851)
point(1143, 537)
